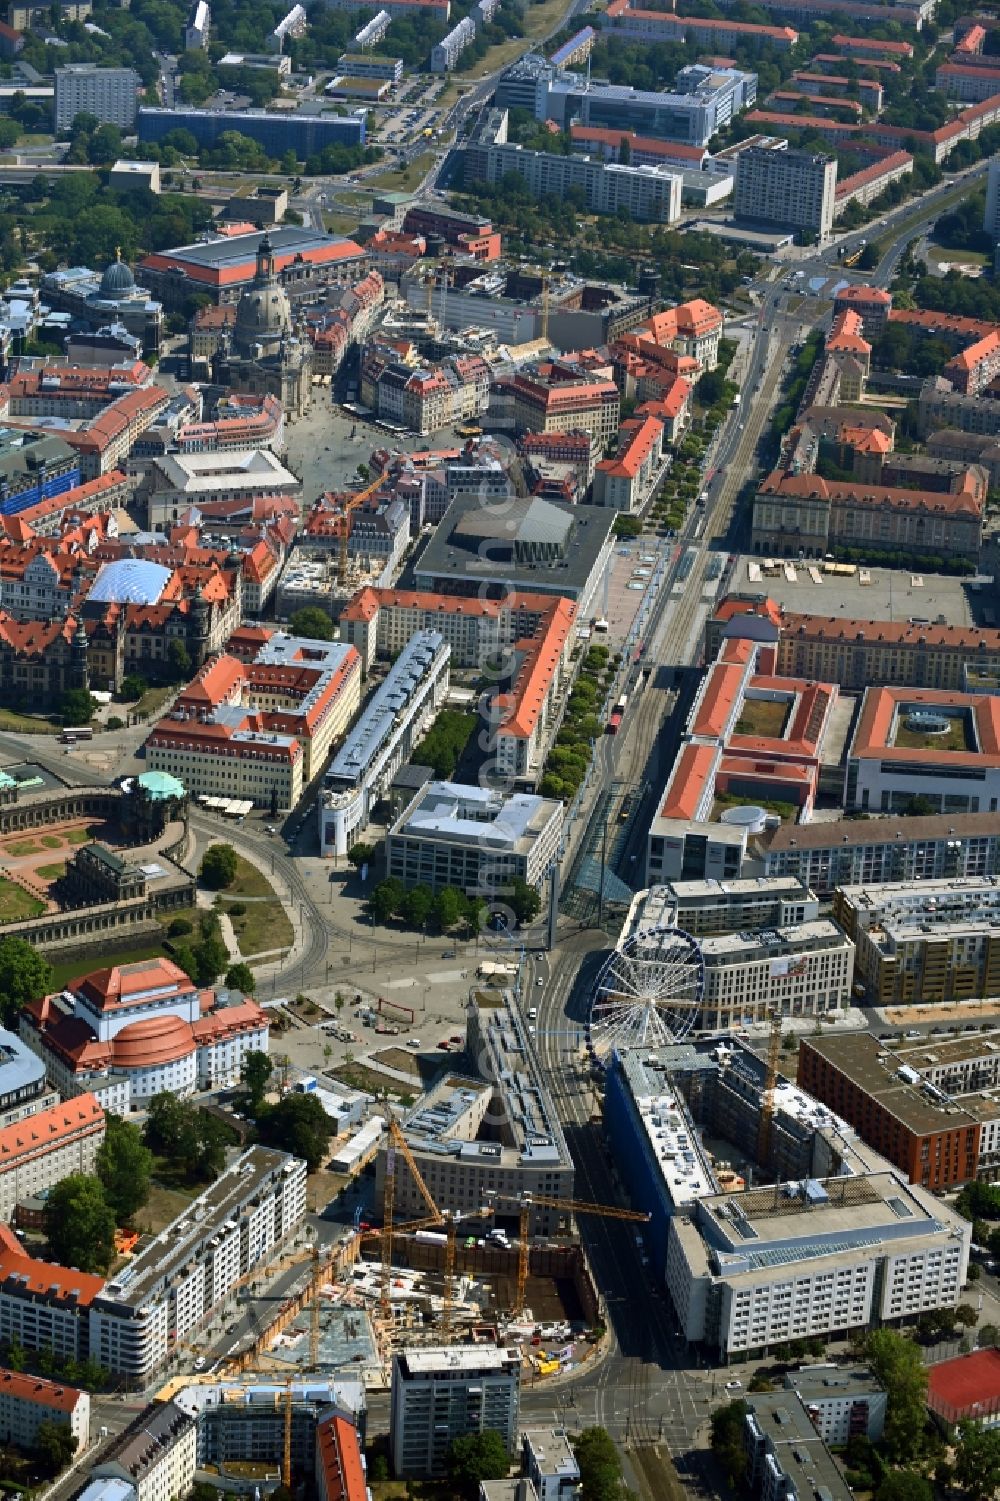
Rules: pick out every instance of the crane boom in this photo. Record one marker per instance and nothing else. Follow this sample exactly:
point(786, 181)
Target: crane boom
point(767, 1097)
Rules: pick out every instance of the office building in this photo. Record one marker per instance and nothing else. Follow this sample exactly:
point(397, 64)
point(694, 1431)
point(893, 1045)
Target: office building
point(134, 1030)
point(36, 1152)
point(474, 838)
point(27, 1401)
point(277, 132)
point(367, 65)
point(704, 907)
point(941, 746)
point(792, 189)
point(496, 1135)
point(111, 94)
point(816, 1257)
point(155, 1454)
point(395, 718)
point(177, 1280)
point(921, 941)
point(442, 1394)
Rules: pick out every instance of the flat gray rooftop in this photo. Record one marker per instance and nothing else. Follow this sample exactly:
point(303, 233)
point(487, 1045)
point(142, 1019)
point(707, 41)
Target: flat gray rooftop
point(891, 594)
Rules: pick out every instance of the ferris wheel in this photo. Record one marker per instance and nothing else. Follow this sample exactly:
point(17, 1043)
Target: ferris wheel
point(648, 993)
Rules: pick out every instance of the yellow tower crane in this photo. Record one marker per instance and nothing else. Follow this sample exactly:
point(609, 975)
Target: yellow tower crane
point(434, 1216)
point(527, 1202)
point(767, 1097)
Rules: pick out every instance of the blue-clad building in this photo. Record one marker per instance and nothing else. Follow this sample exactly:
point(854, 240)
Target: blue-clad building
point(34, 469)
point(277, 133)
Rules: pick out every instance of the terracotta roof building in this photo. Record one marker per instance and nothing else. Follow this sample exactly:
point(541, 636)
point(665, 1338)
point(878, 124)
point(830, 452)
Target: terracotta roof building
point(35, 1153)
point(27, 1401)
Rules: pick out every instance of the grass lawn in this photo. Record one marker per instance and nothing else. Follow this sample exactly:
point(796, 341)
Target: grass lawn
point(23, 847)
point(52, 841)
point(724, 800)
point(163, 1205)
point(406, 180)
point(763, 716)
point(263, 927)
point(958, 737)
point(371, 1080)
point(248, 881)
point(78, 836)
point(16, 903)
point(26, 724)
point(83, 960)
point(52, 872)
point(340, 224)
point(152, 701)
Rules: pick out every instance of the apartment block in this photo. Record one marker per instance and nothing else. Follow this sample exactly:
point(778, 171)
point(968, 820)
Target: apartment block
point(442, 1394)
point(784, 1454)
point(920, 941)
point(841, 1401)
point(625, 481)
point(155, 1454)
point(705, 907)
point(792, 189)
point(27, 1401)
point(36, 1152)
point(109, 93)
point(171, 1287)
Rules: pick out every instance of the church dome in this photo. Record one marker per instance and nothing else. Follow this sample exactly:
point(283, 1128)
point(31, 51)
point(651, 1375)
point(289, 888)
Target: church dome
point(263, 315)
point(117, 280)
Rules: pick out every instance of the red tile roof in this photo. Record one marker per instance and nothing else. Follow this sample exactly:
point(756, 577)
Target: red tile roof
point(38, 1134)
point(39, 1393)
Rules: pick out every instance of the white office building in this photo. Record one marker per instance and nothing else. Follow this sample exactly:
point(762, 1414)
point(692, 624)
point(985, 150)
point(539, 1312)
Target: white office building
point(399, 713)
point(442, 1394)
point(789, 1261)
point(792, 189)
point(109, 93)
point(172, 1286)
point(474, 838)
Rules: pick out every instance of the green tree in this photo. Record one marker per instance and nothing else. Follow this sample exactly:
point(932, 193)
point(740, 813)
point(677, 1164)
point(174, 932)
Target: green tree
point(218, 867)
point(475, 1457)
point(77, 707)
point(386, 899)
point(24, 977)
point(313, 623)
point(191, 1144)
point(727, 1440)
point(896, 1363)
point(977, 1460)
point(525, 902)
point(133, 687)
point(360, 854)
point(600, 1467)
point(255, 1071)
point(300, 1125)
point(417, 905)
point(80, 1223)
point(905, 1485)
point(124, 1164)
point(449, 906)
point(178, 661)
point(241, 977)
point(55, 1445)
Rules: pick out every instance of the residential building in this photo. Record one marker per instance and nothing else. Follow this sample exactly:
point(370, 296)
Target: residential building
point(155, 1454)
point(395, 718)
point(966, 82)
point(38, 1151)
point(446, 52)
point(196, 32)
point(173, 1285)
point(134, 1030)
point(261, 729)
point(940, 746)
point(44, 1306)
point(28, 1401)
point(626, 481)
point(495, 1135)
point(886, 849)
point(474, 838)
point(872, 304)
point(928, 1134)
point(784, 1454)
point(422, 397)
point(548, 1462)
point(277, 132)
point(442, 1394)
point(291, 26)
point(111, 94)
point(923, 941)
point(991, 218)
point(842, 1401)
point(625, 19)
point(793, 189)
point(560, 396)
